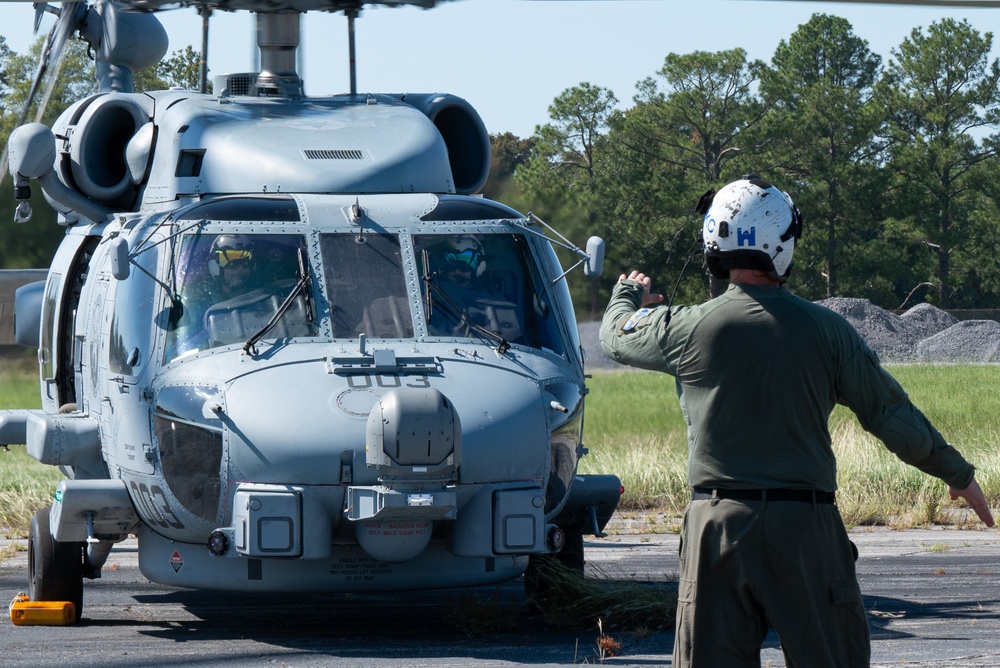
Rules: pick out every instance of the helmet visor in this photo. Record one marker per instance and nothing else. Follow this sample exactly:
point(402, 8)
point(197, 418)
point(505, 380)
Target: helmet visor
point(227, 256)
point(466, 260)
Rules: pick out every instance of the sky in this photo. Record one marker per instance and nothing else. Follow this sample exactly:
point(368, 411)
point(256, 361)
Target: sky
point(511, 58)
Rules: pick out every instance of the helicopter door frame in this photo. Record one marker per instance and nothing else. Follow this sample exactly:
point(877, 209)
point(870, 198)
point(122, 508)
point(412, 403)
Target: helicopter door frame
point(58, 341)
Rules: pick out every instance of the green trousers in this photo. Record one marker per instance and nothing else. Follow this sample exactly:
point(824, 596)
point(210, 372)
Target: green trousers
point(746, 566)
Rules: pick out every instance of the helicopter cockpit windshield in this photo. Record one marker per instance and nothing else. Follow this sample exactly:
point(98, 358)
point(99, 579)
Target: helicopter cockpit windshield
point(230, 286)
point(473, 286)
point(484, 283)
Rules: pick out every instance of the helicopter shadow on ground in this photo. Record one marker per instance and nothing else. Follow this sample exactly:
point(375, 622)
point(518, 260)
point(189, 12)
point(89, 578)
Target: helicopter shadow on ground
point(482, 623)
point(426, 627)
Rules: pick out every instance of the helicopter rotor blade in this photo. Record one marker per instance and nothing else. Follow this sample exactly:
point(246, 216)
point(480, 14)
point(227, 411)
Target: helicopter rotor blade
point(50, 86)
point(70, 16)
point(339, 5)
point(963, 4)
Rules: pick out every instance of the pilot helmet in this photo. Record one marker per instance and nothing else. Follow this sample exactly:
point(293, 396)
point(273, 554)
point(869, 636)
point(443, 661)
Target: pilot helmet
point(229, 251)
point(466, 254)
point(750, 224)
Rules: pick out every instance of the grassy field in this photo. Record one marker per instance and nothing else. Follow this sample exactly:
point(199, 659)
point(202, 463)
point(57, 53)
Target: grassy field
point(25, 485)
point(634, 428)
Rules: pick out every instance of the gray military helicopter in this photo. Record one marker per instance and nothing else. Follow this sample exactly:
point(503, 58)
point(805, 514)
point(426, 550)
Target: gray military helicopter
point(283, 343)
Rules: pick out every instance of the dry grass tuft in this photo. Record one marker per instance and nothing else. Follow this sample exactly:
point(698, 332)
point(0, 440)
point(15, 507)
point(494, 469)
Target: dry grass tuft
point(573, 601)
point(474, 616)
point(7, 551)
point(607, 646)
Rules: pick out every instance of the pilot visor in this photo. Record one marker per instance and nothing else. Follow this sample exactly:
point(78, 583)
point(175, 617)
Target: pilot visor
point(467, 260)
point(228, 255)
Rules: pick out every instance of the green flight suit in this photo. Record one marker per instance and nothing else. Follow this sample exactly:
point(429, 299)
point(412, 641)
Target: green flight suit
point(758, 372)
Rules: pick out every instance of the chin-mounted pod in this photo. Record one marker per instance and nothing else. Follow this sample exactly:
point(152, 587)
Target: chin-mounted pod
point(32, 154)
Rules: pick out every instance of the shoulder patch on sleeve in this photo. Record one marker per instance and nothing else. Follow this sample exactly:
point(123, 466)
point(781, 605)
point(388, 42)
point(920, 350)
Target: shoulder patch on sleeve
point(635, 319)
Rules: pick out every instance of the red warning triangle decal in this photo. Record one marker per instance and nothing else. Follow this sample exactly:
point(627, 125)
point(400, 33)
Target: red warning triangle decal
point(176, 561)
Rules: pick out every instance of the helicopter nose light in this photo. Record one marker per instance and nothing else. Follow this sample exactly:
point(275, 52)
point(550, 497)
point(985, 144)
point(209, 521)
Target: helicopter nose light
point(218, 543)
point(555, 540)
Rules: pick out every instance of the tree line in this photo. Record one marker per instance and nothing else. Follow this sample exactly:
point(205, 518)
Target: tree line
point(33, 244)
point(894, 164)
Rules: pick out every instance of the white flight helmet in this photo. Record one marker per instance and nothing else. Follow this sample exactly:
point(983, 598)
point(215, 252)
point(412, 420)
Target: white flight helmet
point(750, 224)
point(466, 253)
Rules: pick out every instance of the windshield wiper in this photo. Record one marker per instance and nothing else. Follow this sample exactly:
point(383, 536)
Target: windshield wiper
point(464, 318)
point(301, 287)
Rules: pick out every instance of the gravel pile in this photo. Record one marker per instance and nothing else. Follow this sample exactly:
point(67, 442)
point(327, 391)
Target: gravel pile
point(971, 341)
point(924, 334)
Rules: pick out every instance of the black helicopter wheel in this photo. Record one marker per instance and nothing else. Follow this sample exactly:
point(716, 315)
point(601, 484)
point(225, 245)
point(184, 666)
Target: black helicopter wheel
point(571, 554)
point(55, 569)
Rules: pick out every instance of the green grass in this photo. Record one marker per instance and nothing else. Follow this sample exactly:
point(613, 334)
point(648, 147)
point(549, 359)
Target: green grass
point(25, 485)
point(634, 428)
point(19, 382)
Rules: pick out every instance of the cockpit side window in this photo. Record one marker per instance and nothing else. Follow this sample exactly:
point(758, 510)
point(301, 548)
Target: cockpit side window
point(128, 351)
point(485, 281)
point(366, 286)
point(230, 285)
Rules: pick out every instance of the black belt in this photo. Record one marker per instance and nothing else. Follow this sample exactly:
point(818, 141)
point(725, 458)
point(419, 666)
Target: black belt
point(763, 495)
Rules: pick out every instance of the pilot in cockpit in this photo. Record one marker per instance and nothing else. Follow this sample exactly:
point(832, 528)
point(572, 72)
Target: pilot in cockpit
point(231, 264)
point(461, 268)
point(463, 264)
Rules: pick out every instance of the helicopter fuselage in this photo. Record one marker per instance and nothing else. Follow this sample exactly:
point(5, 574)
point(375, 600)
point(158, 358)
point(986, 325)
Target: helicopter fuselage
point(281, 346)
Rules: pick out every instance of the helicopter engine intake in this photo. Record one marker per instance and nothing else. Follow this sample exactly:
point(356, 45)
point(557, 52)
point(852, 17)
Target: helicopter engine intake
point(101, 132)
point(464, 135)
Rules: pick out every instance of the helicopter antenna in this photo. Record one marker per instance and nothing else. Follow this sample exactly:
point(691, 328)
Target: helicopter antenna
point(351, 51)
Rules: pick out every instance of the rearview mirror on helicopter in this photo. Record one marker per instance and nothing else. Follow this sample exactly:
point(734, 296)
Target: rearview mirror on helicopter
point(306, 359)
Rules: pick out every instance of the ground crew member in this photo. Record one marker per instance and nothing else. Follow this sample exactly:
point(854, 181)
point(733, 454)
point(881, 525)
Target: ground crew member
point(758, 372)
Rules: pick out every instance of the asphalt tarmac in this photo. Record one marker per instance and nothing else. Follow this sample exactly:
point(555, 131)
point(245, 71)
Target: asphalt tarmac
point(933, 599)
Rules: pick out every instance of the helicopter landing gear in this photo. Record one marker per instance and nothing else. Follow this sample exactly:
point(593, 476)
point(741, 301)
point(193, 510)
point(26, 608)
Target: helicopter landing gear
point(55, 569)
point(548, 576)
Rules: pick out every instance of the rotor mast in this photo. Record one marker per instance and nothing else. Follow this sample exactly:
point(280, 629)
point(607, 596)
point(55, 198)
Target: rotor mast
point(206, 13)
point(278, 37)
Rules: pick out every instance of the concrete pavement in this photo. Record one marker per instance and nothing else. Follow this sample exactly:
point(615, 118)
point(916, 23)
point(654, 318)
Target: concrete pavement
point(933, 598)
